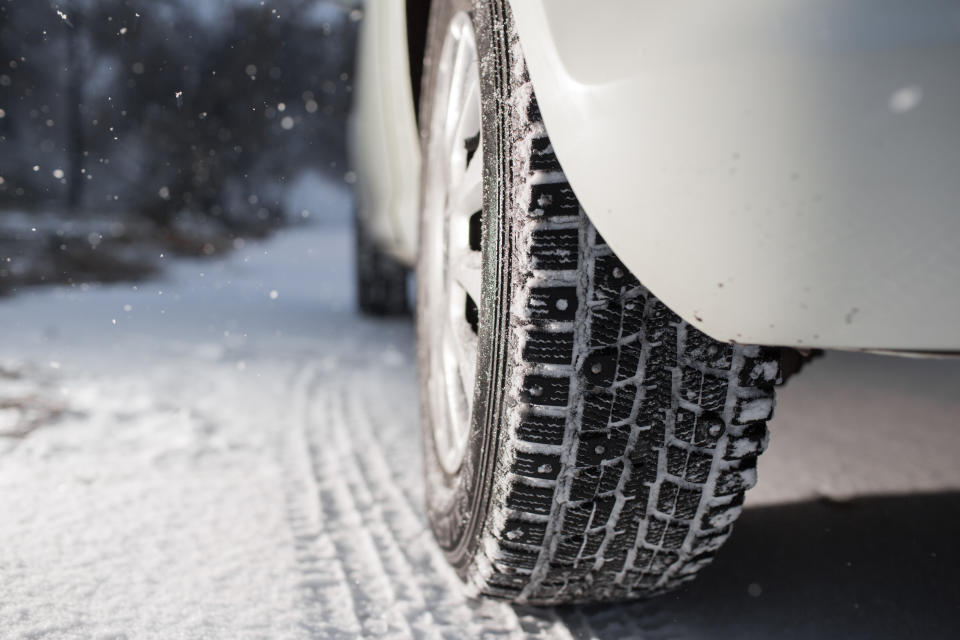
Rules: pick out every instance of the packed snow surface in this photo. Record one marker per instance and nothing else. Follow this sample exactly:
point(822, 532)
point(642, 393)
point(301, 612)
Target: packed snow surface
point(230, 451)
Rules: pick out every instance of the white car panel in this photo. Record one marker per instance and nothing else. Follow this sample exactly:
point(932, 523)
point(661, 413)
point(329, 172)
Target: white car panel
point(384, 143)
point(781, 172)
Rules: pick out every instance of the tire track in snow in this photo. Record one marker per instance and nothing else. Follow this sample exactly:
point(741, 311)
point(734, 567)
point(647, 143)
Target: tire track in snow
point(418, 605)
point(325, 602)
point(342, 525)
point(369, 568)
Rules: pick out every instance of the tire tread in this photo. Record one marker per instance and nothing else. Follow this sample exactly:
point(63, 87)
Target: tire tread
point(632, 493)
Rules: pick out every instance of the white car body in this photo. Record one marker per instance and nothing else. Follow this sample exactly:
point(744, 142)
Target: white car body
point(384, 142)
point(784, 172)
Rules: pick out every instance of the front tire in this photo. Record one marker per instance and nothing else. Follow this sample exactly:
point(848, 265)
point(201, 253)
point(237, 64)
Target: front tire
point(589, 444)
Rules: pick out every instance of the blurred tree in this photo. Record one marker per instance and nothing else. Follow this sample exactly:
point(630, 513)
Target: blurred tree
point(177, 110)
point(74, 103)
point(30, 83)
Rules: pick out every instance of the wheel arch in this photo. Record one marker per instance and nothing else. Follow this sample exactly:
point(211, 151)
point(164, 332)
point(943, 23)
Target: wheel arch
point(783, 173)
point(417, 18)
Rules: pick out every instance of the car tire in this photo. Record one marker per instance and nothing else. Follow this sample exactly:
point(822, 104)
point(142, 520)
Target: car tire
point(381, 280)
point(605, 444)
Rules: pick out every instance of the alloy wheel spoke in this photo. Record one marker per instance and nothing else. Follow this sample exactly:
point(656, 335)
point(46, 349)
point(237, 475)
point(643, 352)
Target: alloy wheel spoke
point(465, 271)
point(466, 195)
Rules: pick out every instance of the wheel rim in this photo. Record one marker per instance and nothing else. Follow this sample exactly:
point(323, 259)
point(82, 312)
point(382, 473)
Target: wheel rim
point(451, 274)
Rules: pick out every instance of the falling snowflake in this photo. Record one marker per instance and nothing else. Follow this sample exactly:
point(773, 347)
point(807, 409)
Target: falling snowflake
point(64, 17)
point(905, 99)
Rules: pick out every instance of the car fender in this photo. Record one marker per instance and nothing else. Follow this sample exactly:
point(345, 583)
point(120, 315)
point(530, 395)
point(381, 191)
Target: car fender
point(384, 143)
point(783, 172)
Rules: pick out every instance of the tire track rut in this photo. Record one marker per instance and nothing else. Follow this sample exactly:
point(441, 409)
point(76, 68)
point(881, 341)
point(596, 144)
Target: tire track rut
point(325, 602)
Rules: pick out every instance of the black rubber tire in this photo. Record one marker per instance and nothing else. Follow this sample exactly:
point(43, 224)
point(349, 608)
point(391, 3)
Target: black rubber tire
point(611, 441)
point(381, 280)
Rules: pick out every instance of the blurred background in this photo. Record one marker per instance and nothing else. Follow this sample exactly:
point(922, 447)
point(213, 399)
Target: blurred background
point(130, 128)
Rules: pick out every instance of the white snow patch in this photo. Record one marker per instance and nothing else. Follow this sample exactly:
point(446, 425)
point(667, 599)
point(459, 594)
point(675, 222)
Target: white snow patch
point(757, 409)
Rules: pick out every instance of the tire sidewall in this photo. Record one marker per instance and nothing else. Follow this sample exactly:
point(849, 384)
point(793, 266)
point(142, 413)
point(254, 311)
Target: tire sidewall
point(458, 504)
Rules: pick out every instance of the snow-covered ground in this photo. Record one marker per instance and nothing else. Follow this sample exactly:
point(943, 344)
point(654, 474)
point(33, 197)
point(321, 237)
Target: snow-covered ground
point(229, 451)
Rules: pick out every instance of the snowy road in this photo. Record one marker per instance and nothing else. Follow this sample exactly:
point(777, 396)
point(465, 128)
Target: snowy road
point(231, 452)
